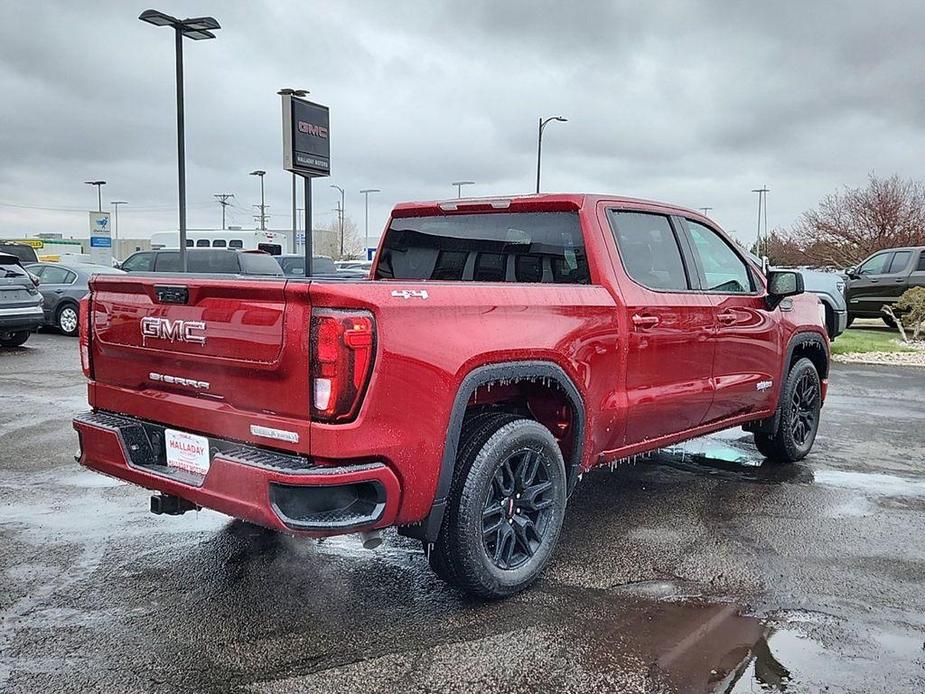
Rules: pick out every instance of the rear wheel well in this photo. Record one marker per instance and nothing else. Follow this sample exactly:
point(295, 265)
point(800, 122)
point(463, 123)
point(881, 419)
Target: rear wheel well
point(540, 399)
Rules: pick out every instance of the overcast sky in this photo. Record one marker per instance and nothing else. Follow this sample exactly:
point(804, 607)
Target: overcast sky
point(692, 103)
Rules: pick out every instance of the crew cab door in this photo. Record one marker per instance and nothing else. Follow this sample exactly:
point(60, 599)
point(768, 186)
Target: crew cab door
point(747, 360)
point(669, 351)
point(880, 280)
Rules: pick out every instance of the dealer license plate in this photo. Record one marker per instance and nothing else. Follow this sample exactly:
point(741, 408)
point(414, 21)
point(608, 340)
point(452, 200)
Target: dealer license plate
point(187, 451)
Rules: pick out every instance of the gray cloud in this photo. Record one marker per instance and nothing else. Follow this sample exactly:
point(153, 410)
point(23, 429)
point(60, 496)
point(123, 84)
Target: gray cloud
point(694, 103)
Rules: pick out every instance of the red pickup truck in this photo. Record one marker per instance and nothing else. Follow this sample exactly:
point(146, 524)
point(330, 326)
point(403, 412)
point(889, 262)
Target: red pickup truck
point(500, 348)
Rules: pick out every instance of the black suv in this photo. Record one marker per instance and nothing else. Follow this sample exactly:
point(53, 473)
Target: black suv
point(204, 260)
point(20, 303)
point(881, 279)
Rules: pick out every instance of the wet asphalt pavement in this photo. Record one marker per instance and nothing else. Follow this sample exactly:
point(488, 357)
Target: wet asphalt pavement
point(697, 569)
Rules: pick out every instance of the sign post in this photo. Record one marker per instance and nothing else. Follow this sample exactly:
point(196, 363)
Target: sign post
point(100, 239)
point(306, 152)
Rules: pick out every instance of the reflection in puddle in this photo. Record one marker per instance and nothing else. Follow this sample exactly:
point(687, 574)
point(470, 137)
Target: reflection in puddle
point(883, 485)
point(717, 457)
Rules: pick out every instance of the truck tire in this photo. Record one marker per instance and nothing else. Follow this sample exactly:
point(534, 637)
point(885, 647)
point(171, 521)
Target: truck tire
point(505, 509)
point(15, 339)
point(800, 403)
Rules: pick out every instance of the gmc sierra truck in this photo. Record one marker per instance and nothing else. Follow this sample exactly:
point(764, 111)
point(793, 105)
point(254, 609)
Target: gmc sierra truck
point(499, 348)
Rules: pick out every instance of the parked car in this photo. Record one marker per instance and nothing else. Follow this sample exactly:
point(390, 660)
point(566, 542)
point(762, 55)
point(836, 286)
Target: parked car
point(20, 302)
point(23, 251)
point(881, 279)
point(204, 260)
point(294, 265)
point(503, 347)
point(62, 287)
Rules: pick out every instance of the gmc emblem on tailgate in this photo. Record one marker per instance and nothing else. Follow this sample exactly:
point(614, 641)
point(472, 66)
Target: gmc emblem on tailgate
point(174, 331)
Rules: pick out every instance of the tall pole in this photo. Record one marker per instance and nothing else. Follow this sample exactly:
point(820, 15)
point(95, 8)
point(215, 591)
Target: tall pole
point(115, 227)
point(263, 208)
point(542, 123)
point(341, 217)
point(99, 198)
point(366, 193)
point(308, 226)
point(294, 218)
point(762, 201)
point(181, 148)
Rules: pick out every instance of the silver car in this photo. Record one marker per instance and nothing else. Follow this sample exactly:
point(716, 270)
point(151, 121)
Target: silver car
point(63, 286)
point(20, 302)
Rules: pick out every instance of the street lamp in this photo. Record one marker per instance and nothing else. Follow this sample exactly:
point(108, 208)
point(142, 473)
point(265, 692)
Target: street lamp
point(99, 195)
point(115, 227)
point(539, 144)
point(341, 219)
point(366, 193)
point(762, 202)
point(300, 93)
point(263, 206)
point(196, 28)
point(704, 210)
point(459, 185)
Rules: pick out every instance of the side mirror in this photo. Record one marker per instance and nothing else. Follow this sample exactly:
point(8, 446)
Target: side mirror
point(765, 265)
point(781, 284)
point(852, 272)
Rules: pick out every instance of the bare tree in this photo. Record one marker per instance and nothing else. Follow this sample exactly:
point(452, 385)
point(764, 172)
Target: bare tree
point(848, 226)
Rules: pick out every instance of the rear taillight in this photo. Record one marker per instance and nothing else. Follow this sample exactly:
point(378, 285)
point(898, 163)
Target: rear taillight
point(84, 339)
point(342, 351)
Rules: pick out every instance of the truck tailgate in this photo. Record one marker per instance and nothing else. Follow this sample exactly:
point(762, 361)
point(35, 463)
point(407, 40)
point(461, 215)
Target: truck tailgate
point(226, 345)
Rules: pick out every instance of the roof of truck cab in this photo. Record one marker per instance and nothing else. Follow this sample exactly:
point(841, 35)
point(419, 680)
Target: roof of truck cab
point(540, 202)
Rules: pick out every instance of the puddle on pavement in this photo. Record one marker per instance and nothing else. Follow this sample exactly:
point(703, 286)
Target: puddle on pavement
point(719, 457)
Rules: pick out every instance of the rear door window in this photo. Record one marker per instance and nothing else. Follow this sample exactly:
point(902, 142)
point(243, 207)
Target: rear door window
point(649, 250)
point(260, 264)
point(492, 247)
point(899, 262)
point(921, 267)
point(168, 261)
point(57, 275)
point(213, 262)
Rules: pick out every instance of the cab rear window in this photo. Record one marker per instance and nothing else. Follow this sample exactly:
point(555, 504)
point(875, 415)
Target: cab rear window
point(541, 247)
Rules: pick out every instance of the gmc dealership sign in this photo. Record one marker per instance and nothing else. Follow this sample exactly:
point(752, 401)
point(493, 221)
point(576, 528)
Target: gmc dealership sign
point(306, 137)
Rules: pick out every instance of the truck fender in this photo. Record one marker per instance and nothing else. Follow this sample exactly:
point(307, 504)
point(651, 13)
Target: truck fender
point(428, 529)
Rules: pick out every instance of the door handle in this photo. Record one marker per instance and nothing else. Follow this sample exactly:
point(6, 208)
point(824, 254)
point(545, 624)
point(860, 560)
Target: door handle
point(726, 318)
point(645, 322)
point(59, 291)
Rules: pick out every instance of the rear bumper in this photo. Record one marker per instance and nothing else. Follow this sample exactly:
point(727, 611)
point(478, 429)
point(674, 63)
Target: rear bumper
point(17, 319)
point(276, 490)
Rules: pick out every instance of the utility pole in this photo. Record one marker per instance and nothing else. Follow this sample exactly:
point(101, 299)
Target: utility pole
point(762, 204)
point(222, 199)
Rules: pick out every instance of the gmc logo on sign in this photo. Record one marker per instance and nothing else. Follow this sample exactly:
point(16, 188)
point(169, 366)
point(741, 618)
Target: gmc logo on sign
point(312, 129)
point(174, 331)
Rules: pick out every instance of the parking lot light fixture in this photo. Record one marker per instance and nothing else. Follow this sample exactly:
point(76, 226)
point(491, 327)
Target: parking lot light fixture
point(539, 144)
point(459, 185)
point(197, 29)
point(263, 205)
point(99, 195)
point(115, 227)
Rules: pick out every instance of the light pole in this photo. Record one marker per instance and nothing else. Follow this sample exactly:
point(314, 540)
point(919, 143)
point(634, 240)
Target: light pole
point(263, 206)
point(704, 210)
point(459, 185)
point(762, 202)
point(196, 28)
point(543, 122)
point(115, 227)
point(99, 196)
point(341, 219)
point(366, 193)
